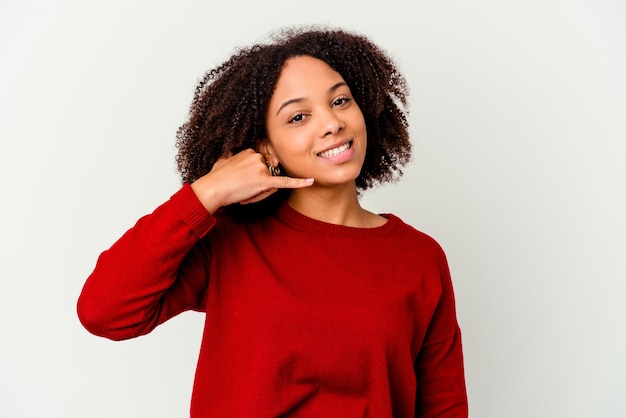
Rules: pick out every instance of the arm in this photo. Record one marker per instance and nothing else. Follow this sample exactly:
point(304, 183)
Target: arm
point(156, 270)
point(159, 268)
point(439, 368)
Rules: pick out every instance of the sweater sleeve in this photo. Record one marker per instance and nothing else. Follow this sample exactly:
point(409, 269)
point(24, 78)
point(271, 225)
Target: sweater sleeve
point(156, 270)
point(441, 390)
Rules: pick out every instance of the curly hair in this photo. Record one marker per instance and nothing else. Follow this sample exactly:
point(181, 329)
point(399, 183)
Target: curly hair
point(229, 108)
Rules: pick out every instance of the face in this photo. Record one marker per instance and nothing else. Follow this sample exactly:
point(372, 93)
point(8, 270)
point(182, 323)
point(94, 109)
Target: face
point(315, 128)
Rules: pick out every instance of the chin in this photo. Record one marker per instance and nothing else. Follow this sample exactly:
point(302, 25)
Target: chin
point(337, 181)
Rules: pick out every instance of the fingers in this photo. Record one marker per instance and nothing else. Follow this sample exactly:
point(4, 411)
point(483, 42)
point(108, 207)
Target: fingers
point(274, 182)
point(284, 182)
point(241, 178)
point(259, 197)
point(281, 183)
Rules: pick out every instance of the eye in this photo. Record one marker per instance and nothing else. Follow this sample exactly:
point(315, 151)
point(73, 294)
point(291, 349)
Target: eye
point(297, 118)
point(341, 100)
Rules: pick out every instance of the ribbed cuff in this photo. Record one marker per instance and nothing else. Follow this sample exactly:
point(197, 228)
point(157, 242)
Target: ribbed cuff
point(188, 206)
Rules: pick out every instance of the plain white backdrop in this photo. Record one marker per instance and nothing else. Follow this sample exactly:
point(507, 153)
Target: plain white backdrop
point(518, 113)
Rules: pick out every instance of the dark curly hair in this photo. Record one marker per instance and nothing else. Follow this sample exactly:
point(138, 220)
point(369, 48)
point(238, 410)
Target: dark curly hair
point(229, 107)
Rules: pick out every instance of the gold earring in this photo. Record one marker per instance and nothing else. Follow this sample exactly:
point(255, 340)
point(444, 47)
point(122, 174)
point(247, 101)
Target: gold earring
point(274, 171)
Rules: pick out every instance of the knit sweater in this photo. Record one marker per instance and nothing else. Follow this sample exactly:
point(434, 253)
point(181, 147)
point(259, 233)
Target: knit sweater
point(303, 318)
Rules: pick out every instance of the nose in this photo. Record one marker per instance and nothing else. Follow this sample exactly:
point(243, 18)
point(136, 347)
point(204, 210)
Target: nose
point(331, 123)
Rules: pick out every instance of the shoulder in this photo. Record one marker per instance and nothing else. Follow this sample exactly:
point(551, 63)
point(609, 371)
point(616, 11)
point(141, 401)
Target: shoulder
point(232, 227)
point(414, 239)
point(405, 229)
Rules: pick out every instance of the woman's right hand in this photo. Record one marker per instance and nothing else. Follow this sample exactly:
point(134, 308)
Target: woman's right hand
point(241, 178)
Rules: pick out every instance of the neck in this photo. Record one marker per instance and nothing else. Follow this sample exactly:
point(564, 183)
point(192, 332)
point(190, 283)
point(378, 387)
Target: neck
point(335, 205)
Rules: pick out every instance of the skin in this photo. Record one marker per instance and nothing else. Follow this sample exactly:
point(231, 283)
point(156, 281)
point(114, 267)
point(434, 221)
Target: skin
point(310, 117)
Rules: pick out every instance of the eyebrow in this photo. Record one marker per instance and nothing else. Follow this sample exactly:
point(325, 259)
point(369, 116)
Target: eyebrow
point(299, 99)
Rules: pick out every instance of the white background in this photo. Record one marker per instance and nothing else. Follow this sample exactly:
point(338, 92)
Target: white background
point(518, 113)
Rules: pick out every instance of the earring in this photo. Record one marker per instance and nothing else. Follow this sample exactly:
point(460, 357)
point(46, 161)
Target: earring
point(274, 171)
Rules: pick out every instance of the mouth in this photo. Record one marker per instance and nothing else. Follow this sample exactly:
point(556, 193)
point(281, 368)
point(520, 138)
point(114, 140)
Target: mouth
point(335, 151)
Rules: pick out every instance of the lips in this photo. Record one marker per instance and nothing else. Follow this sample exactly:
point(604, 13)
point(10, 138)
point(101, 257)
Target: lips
point(336, 150)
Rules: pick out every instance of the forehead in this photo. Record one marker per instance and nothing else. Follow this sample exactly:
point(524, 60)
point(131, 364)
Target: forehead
point(303, 73)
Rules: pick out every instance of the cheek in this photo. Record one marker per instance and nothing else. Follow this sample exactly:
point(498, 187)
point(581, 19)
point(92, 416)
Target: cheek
point(362, 121)
point(289, 143)
point(284, 148)
point(290, 149)
point(357, 120)
point(360, 130)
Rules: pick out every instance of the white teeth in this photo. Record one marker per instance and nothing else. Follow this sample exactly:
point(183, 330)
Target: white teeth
point(335, 151)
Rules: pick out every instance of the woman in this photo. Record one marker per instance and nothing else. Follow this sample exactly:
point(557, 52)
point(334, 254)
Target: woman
point(314, 306)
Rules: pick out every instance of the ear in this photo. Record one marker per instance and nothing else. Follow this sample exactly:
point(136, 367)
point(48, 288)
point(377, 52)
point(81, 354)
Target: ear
point(264, 147)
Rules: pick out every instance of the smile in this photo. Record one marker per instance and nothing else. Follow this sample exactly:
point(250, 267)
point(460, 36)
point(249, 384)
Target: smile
point(335, 151)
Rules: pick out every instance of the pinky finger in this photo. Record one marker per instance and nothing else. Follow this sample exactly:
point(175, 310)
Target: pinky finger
point(259, 197)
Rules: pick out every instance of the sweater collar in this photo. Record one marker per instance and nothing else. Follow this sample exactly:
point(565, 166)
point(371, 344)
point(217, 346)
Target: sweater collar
point(297, 220)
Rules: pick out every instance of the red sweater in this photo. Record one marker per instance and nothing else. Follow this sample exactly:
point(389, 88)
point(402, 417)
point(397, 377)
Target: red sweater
point(303, 318)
